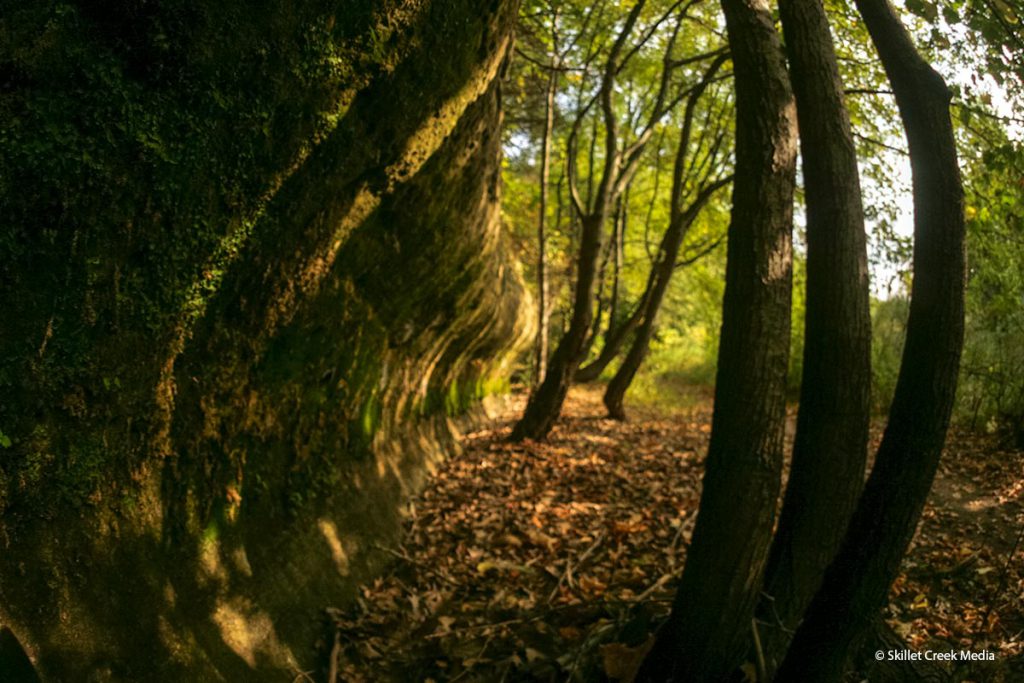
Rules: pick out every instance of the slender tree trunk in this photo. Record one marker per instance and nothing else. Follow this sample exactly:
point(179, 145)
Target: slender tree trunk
point(835, 393)
point(565, 303)
point(541, 362)
point(704, 637)
point(590, 162)
point(857, 582)
point(595, 320)
point(554, 286)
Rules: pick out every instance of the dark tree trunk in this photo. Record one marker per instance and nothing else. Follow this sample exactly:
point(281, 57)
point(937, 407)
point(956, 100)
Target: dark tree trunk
point(711, 615)
point(857, 582)
point(835, 393)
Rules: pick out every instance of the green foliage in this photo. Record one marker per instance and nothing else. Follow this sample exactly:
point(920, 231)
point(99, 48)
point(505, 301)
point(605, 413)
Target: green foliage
point(991, 392)
point(889, 328)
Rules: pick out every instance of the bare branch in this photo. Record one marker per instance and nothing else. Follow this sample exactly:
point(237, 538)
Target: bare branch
point(988, 114)
point(654, 27)
point(548, 67)
point(676, 63)
point(879, 143)
point(701, 253)
point(866, 91)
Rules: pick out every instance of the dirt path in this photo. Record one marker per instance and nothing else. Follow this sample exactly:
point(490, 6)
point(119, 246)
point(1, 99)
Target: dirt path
point(552, 561)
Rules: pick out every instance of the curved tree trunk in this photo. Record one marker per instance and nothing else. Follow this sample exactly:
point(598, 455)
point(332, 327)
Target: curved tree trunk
point(830, 447)
point(711, 614)
point(857, 582)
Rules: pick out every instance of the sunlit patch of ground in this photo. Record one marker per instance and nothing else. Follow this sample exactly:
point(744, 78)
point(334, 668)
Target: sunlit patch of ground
point(552, 561)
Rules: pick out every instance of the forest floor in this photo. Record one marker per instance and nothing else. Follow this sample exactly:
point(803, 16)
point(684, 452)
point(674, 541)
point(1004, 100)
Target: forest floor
point(555, 561)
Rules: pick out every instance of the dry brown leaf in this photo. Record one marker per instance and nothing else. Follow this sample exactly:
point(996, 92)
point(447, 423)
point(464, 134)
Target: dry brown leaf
point(622, 662)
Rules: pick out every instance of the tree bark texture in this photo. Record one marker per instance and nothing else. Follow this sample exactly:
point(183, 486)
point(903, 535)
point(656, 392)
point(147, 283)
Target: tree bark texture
point(711, 614)
point(830, 446)
point(857, 582)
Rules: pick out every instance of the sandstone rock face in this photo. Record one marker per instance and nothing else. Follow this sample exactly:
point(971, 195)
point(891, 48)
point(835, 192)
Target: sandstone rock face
point(252, 277)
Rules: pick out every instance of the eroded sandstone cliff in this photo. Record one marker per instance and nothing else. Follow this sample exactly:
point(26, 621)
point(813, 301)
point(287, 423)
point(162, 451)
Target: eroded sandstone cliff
point(251, 270)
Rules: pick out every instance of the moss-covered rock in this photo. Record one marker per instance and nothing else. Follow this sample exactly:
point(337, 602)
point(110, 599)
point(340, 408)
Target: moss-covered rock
point(250, 269)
